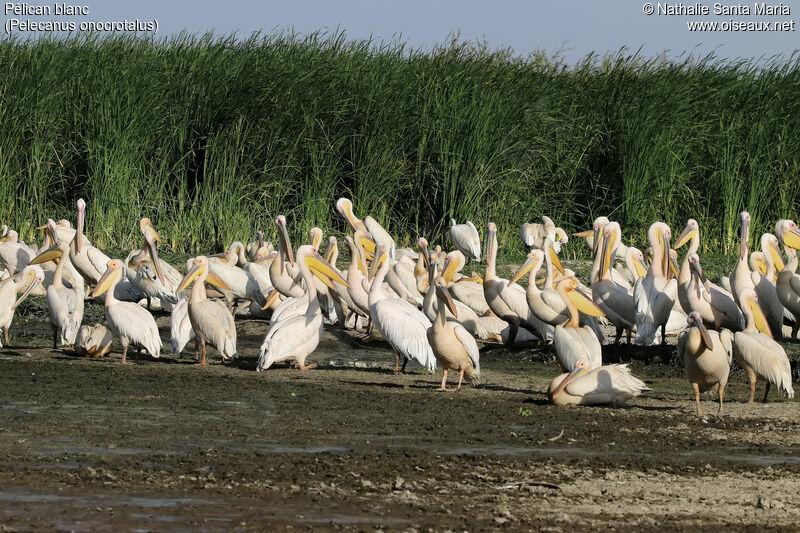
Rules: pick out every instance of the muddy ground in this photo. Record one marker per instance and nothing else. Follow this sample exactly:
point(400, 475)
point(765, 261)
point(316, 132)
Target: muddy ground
point(87, 444)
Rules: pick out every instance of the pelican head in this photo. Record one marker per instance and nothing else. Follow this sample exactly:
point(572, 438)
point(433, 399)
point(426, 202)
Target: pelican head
point(333, 248)
point(147, 228)
point(377, 260)
point(111, 276)
point(584, 303)
point(319, 267)
point(444, 295)
point(611, 233)
point(788, 233)
point(56, 251)
point(81, 204)
point(200, 271)
point(556, 388)
point(748, 301)
point(533, 262)
point(561, 236)
point(315, 235)
point(770, 245)
point(454, 262)
point(10, 235)
point(696, 321)
point(695, 268)
point(345, 208)
point(689, 232)
point(150, 242)
point(355, 252)
point(31, 277)
point(283, 239)
point(637, 259)
point(744, 233)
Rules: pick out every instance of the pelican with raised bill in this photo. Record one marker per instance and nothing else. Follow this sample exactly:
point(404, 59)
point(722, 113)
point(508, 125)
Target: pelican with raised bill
point(31, 277)
point(453, 346)
point(64, 304)
point(757, 352)
point(211, 321)
point(612, 298)
point(706, 358)
point(296, 337)
point(655, 293)
point(466, 239)
point(88, 260)
point(128, 321)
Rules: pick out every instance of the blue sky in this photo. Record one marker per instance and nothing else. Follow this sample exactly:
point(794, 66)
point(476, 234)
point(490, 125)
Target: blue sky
point(572, 27)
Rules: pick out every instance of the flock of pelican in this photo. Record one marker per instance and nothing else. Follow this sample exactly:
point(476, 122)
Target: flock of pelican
point(424, 307)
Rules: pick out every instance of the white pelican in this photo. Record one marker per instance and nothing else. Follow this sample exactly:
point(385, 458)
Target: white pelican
point(534, 234)
point(369, 224)
point(592, 236)
point(88, 260)
point(714, 305)
point(356, 275)
point(466, 239)
point(706, 358)
point(788, 283)
point(298, 336)
point(571, 341)
point(65, 304)
point(610, 384)
point(128, 321)
point(655, 293)
point(757, 352)
point(152, 276)
point(764, 283)
point(453, 346)
point(258, 248)
point(402, 325)
point(495, 287)
point(93, 341)
point(15, 255)
point(285, 277)
point(180, 326)
point(612, 298)
point(27, 280)
point(211, 321)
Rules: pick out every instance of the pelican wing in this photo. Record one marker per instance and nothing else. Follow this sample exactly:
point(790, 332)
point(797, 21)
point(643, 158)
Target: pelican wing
point(766, 357)
point(612, 384)
point(469, 344)
point(98, 259)
point(212, 321)
point(405, 328)
point(135, 323)
point(726, 339)
point(380, 236)
point(723, 305)
point(466, 239)
point(180, 327)
point(615, 301)
point(295, 337)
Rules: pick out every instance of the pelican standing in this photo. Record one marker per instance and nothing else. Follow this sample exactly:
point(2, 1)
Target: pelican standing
point(613, 299)
point(706, 358)
point(298, 336)
point(285, 277)
point(65, 304)
point(128, 321)
point(211, 321)
point(453, 346)
point(27, 280)
point(714, 305)
point(466, 239)
point(370, 225)
point(402, 325)
point(572, 342)
point(757, 352)
point(88, 260)
point(655, 293)
point(788, 283)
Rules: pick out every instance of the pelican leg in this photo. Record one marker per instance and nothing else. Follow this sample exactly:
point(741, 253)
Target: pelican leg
point(6, 335)
point(403, 369)
point(629, 336)
point(203, 347)
point(148, 303)
point(795, 327)
point(766, 392)
point(124, 354)
point(513, 327)
point(460, 379)
point(696, 388)
point(308, 367)
point(444, 382)
point(751, 375)
point(396, 363)
point(138, 353)
point(619, 334)
point(55, 337)
point(369, 326)
point(721, 394)
point(663, 334)
point(196, 347)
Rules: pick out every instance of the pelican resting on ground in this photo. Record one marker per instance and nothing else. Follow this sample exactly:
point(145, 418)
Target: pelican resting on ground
point(211, 321)
point(94, 341)
point(128, 321)
point(453, 346)
point(707, 357)
point(27, 280)
point(466, 239)
point(298, 336)
point(757, 352)
point(402, 325)
point(610, 384)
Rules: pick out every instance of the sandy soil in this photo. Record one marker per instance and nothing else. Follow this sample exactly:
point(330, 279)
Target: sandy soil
point(166, 445)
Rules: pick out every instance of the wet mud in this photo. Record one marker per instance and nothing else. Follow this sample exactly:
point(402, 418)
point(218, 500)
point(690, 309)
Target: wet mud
point(87, 444)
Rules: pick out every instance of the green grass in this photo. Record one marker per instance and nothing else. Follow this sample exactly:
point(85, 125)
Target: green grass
point(213, 137)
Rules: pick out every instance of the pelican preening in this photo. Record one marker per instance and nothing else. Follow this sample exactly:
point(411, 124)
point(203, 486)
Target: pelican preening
point(466, 239)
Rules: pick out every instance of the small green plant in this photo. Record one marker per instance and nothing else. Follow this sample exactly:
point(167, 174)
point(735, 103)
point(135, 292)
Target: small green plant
point(525, 412)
